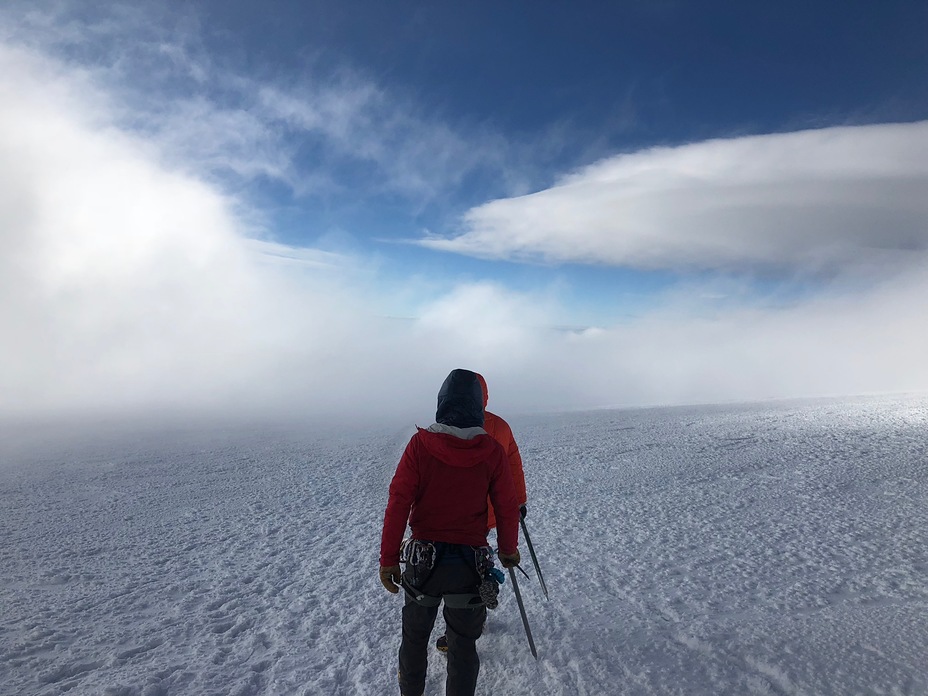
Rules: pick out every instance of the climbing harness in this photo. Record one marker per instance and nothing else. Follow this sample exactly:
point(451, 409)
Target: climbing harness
point(422, 556)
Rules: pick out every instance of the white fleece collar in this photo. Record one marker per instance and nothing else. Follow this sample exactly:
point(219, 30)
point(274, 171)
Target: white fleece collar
point(462, 433)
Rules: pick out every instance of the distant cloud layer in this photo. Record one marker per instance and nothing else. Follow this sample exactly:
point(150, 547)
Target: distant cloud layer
point(814, 200)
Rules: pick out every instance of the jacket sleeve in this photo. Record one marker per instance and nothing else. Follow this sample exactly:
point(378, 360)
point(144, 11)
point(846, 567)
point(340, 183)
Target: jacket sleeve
point(505, 505)
point(403, 490)
point(514, 458)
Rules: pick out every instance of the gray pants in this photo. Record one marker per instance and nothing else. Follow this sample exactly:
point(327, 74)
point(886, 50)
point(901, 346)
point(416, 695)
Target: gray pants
point(464, 627)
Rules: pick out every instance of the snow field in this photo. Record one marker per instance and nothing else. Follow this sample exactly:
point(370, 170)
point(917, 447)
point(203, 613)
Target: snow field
point(777, 548)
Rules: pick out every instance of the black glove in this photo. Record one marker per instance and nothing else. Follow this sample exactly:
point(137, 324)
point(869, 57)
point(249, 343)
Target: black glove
point(522, 511)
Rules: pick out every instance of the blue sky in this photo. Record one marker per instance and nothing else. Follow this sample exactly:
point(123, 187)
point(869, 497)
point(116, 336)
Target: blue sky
point(688, 190)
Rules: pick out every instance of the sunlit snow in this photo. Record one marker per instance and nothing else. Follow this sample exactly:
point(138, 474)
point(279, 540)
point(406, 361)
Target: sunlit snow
point(777, 548)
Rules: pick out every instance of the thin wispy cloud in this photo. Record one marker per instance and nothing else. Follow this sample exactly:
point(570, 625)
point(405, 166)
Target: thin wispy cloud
point(815, 200)
point(394, 149)
point(324, 130)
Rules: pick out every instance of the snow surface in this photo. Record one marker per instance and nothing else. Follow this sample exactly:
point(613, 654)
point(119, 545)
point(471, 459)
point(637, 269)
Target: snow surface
point(777, 548)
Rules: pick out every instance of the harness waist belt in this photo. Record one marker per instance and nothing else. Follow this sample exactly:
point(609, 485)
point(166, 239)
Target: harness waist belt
point(466, 600)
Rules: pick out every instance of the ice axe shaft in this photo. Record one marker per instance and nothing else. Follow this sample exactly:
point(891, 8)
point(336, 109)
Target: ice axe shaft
point(528, 631)
point(531, 550)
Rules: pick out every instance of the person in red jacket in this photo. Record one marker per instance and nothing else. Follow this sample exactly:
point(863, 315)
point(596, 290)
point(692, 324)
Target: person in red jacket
point(441, 487)
point(499, 430)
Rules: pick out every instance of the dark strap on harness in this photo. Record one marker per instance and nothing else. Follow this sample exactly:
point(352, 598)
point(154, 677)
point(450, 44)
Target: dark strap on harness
point(467, 600)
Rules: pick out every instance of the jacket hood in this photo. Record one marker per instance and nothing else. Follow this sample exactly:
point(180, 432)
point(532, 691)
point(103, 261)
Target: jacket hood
point(459, 400)
point(459, 447)
point(483, 388)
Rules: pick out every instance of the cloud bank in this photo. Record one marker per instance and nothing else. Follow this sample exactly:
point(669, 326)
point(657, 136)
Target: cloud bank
point(129, 282)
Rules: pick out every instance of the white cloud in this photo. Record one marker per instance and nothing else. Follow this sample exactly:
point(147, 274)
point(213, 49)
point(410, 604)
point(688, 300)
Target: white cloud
point(126, 282)
point(832, 345)
point(122, 281)
point(812, 200)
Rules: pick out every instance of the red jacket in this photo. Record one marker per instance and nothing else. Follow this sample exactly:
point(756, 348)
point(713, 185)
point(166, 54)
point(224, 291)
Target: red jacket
point(499, 430)
point(441, 486)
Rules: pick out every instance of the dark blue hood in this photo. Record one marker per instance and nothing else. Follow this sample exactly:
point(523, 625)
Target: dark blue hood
point(460, 400)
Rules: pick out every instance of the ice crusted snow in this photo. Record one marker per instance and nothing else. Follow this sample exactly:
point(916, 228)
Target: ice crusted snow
point(777, 548)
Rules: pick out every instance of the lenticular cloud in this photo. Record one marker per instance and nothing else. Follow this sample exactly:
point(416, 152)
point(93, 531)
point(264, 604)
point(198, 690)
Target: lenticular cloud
point(818, 199)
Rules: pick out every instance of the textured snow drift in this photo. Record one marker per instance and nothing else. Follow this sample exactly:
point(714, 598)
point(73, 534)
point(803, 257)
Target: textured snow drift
point(776, 548)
